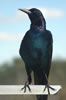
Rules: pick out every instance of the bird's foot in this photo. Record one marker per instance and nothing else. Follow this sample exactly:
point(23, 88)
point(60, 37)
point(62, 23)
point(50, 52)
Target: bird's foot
point(26, 86)
point(48, 87)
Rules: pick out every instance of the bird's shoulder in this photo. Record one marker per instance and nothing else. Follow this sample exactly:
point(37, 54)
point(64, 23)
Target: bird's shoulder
point(24, 41)
point(26, 36)
point(49, 35)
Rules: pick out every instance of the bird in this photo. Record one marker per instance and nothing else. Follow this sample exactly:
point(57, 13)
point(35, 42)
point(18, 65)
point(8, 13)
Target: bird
point(36, 51)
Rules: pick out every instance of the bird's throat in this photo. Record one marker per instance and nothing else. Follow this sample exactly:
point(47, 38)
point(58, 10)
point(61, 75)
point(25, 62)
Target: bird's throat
point(37, 27)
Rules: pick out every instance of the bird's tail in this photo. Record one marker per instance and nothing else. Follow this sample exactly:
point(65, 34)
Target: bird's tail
point(39, 80)
point(39, 77)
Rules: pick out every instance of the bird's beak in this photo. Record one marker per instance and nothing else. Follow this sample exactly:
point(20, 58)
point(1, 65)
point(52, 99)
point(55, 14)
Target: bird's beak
point(26, 11)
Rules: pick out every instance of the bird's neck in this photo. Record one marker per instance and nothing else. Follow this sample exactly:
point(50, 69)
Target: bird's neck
point(38, 26)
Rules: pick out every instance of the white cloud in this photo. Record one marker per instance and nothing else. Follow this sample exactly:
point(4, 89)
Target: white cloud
point(20, 16)
point(52, 13)
point(8, 37)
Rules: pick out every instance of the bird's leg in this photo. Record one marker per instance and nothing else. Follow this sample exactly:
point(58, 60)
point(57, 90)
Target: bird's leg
point(27, 84)
point(47, 85)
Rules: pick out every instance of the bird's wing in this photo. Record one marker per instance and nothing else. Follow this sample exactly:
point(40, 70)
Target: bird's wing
point(24, 46)
point(50, 44)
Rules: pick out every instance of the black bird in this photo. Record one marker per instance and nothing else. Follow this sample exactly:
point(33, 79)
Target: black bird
point(36, 50)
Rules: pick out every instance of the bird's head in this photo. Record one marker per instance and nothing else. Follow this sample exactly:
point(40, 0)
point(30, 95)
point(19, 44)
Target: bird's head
point(35, 16)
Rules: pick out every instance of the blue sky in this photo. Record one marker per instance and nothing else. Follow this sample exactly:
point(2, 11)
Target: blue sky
point(14, 24)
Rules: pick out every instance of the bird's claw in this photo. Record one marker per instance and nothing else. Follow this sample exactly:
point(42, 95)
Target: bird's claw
point(48, 87)
point(26, 86)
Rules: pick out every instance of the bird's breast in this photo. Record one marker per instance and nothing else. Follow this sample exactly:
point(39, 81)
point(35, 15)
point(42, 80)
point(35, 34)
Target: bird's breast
point(38, 44)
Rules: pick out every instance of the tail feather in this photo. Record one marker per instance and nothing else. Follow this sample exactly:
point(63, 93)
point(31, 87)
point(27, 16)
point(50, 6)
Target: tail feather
point(39, 80)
